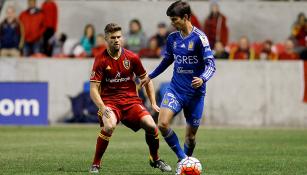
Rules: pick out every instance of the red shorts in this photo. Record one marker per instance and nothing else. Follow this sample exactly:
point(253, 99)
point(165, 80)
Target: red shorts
point(129, 114)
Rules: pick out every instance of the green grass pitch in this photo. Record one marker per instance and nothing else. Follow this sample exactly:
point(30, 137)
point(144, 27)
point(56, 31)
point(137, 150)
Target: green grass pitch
point(69, 149)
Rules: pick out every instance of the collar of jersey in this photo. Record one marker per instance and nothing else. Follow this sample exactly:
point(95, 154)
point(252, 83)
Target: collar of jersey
point(188, 35)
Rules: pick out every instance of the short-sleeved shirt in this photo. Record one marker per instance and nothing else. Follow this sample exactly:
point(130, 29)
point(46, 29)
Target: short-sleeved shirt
point(117, 76)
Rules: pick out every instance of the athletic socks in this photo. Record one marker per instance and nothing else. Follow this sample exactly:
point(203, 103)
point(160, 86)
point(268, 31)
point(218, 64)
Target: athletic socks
point(173, 142)
point(101, 146)
point(152, 141)
point(189, 148)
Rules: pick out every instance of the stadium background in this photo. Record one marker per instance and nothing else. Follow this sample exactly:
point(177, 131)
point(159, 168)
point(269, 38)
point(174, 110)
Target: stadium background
point(255, 116)
point(257, 94)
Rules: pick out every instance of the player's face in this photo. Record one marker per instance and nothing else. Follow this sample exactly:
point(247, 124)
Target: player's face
point(114, 40)
point(177, 22)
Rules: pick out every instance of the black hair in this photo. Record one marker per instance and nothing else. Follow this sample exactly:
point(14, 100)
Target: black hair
point(179, 8)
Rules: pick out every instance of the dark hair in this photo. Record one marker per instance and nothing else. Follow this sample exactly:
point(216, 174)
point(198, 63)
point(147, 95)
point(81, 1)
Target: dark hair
point(92, 38)
point(137, 22)
point(179, 8)
point(111, 28)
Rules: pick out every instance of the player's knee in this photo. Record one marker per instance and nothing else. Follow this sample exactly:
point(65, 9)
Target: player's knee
point(109, 129)
point(163, 127)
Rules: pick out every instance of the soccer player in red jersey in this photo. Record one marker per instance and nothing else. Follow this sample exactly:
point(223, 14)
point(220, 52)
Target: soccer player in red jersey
point(113, 90)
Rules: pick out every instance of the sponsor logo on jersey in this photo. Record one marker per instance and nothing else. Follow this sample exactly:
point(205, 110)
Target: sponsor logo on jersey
point(180, 70)
point(126, 63)
point(182, 46)
point(117, 79)
point(117, 75)
point(191, 46)
point(182, 59)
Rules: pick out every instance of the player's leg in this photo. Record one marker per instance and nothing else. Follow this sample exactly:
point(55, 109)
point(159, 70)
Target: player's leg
point(151, 135)
point(165, 117)
point(193, 113)
point(108, 124)
point(190, 142)
point(169, 107)
point(152, 140)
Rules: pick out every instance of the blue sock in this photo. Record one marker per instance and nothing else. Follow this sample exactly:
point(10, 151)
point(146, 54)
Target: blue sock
point(173, 142)
point(188, 149)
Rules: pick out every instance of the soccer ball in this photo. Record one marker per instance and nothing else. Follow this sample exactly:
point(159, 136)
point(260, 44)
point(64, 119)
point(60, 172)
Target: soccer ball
point(189, 166)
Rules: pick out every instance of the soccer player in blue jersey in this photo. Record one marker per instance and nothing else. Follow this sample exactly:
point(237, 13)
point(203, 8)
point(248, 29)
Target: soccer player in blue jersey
point(194, 65)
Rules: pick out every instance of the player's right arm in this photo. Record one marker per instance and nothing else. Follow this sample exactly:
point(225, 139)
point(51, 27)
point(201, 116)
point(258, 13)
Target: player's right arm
point(95, 95)
point(95, 86)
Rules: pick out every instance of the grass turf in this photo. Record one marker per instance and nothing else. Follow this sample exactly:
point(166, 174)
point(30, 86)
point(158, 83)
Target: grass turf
point(222, 151)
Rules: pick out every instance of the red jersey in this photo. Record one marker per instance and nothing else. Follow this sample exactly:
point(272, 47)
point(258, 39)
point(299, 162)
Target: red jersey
point(117, 76)
point(50, 11)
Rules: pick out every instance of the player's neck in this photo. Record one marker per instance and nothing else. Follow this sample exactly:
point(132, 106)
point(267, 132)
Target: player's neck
point(115, 54)
point(187, 30)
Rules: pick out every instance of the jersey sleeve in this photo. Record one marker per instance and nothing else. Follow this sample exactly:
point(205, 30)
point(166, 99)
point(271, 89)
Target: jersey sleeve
point(168, 59)
point(97, 74)
point(208, 59)
point(138, 67)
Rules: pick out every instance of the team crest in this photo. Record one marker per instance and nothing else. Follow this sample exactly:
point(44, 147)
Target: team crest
point(191, 45)
point(165, 102)
point(126, 63)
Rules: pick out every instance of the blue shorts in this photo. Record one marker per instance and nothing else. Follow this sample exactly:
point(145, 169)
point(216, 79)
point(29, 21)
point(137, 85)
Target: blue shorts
point(192, 106)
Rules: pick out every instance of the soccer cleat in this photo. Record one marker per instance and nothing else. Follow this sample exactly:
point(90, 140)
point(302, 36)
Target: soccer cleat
point(164, 167)
point(94, 169)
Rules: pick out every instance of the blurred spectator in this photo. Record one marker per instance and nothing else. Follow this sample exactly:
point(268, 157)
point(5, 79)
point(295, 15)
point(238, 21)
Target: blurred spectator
point(152, 51)
point(243, 51)
point(301, 36)
point(88, 40)
point(195, 22)
point(10, 34)
point(50, 10)
point(57, 44)
point(161, 35)
point(32, 21)
point(135, 39)
point(215, 26)
point(298, 25)
point(219, 51)
point(267, 52)
point(101, 45)
point(289, 53)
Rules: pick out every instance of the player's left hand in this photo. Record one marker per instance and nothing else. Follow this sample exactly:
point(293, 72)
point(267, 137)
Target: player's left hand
point(155, 107)
point(197, 82)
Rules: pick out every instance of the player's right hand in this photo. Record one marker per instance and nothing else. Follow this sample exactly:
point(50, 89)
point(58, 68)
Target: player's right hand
point(144, 81)
point(155, 107)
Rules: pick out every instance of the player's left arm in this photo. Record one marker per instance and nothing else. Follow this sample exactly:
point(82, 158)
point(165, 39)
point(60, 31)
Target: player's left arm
point(209, 64)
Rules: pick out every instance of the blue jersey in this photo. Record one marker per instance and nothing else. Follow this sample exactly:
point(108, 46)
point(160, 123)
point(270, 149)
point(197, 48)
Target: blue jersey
point(193, 58)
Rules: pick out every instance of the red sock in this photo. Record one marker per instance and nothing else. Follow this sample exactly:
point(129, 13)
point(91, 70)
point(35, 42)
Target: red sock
point(152, 141)
point(101, 146)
